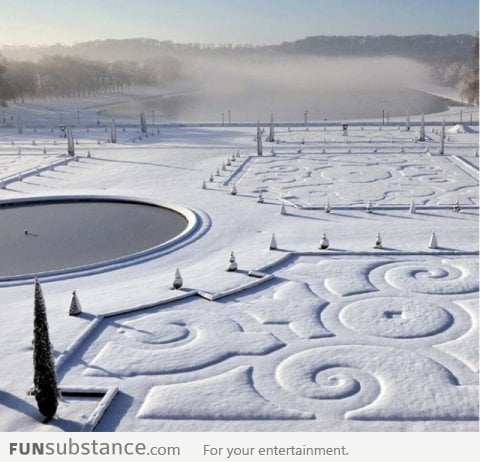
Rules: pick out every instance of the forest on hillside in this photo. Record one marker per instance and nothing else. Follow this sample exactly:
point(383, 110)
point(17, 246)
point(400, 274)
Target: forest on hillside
point(111, 66)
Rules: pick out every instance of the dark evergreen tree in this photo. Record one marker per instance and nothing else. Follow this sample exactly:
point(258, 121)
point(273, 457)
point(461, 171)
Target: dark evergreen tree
point(45, 386)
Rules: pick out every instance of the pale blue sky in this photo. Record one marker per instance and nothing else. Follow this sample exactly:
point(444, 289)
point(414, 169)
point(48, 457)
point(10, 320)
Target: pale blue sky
point(35, 22)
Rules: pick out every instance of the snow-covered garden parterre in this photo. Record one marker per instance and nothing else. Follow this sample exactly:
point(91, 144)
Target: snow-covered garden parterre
point(376, 332)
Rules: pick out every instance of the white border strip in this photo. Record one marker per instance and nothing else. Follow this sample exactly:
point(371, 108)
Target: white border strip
point(108, 392)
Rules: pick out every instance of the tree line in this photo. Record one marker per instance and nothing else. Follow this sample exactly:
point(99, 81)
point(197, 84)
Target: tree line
point(65, 76)
point(424, 47)
point(106, 66)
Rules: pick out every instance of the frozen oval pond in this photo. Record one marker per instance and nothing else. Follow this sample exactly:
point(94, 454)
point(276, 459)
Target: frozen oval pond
point(38, 237)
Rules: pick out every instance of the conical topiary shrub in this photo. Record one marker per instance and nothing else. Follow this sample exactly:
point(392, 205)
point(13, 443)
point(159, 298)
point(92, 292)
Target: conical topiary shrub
point(178, 281)
point(412, 207)
point(456, 206)
point(324, 243)
point(328, 209)
point(45, 387)
point(273, 243)
point(232, 263)
point(378, 242)
point(433, 243)
point(75, 306)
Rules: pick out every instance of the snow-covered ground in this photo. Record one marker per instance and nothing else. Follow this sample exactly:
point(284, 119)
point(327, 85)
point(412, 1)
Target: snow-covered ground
point(351, 338)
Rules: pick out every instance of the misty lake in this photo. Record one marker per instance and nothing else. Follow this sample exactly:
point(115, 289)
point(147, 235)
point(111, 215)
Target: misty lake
point(256, 103)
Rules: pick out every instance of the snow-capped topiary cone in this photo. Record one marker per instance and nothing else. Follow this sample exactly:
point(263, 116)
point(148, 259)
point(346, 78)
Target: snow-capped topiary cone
point(211, 178)
point(456, 206)
point(412, 207)
point(422, 129)
point(369, 207)
point(232, 263)
point(259, 140)
point(178, 281)
point(378, 242)
point(204, 185)
point(271, 136)
point(328, 209)
point(260, 198)
point(324, 243)
point(442, 139)
point(433, 244)
point(223, 166)
point(229, 162)
point(233, 158)
point(273, 243)
point(238, 154)
point(89, 155)
point(233, 191)
point(44, 150)
point(217, 173)
point(75, 306)
point(283, 210)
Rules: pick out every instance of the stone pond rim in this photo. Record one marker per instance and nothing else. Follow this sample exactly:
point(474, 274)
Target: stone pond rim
point(56, 237)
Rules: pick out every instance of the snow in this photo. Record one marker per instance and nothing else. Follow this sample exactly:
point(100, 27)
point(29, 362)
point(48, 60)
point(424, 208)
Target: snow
point(214, 396)
point(349, 338)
